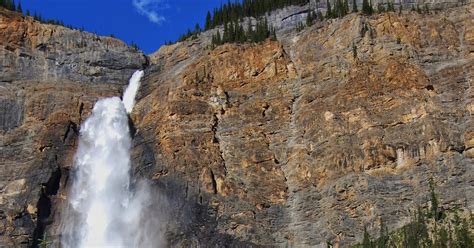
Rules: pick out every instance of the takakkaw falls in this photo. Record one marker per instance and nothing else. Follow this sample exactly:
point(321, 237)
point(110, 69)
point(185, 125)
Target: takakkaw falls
point(271, 123)
point(108, 212)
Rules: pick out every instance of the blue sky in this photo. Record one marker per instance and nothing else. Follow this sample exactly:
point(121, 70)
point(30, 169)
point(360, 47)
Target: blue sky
point(148, 23)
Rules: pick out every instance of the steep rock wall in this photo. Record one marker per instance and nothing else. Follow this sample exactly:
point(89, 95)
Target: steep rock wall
point(303, 143)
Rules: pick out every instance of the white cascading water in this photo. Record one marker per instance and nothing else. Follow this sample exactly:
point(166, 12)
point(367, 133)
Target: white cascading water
point(106, 211)
point(131, 91)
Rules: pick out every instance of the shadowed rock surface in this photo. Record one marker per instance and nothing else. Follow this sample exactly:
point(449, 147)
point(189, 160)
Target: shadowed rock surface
point(290, 143)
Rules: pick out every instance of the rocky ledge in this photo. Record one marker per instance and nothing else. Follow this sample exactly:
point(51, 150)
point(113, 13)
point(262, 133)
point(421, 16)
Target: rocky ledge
point(34, 51)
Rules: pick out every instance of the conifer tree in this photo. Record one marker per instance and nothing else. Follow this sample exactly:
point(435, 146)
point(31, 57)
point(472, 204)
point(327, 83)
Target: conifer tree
point(218, 37)
point(213, 41)
point(366, 7)
point(418, 10)
point(310, 18)
point(366, 242)
point(390, 6)
point(329, 11)
point(241, 34)
point(7, 4)
point(134, 46)
point(380, 8)
point(208, 24)
point(19, 9)
point(273, 35)
point(383, 239)
point(197, 28)
point(434, 200)
point(338, 9)
point(319, 16)
point(354, 51)
point(225, 34)
point(299, 26)
point(354, 6)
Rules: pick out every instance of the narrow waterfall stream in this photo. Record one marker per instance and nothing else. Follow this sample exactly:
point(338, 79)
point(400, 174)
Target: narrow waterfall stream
point(103, 210)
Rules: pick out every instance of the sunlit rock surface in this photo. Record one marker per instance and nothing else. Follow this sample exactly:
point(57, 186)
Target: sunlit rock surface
point(301, 143)
point(289, 143)
point(33, 51)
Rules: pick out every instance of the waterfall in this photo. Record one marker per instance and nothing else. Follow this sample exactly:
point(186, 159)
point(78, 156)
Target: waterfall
point(131, 91)
point(103, 210)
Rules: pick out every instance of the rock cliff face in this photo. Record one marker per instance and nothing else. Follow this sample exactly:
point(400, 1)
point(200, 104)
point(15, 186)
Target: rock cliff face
point(50, 77)
point(300, 143)
point(290, 143)
point(33, 51)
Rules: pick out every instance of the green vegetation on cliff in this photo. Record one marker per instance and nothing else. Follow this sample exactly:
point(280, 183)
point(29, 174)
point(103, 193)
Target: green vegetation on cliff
point(425, 231)
point(429, 227)
point(235, 33)
point(236, 11)
point(230, 17)
point(10, 5)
